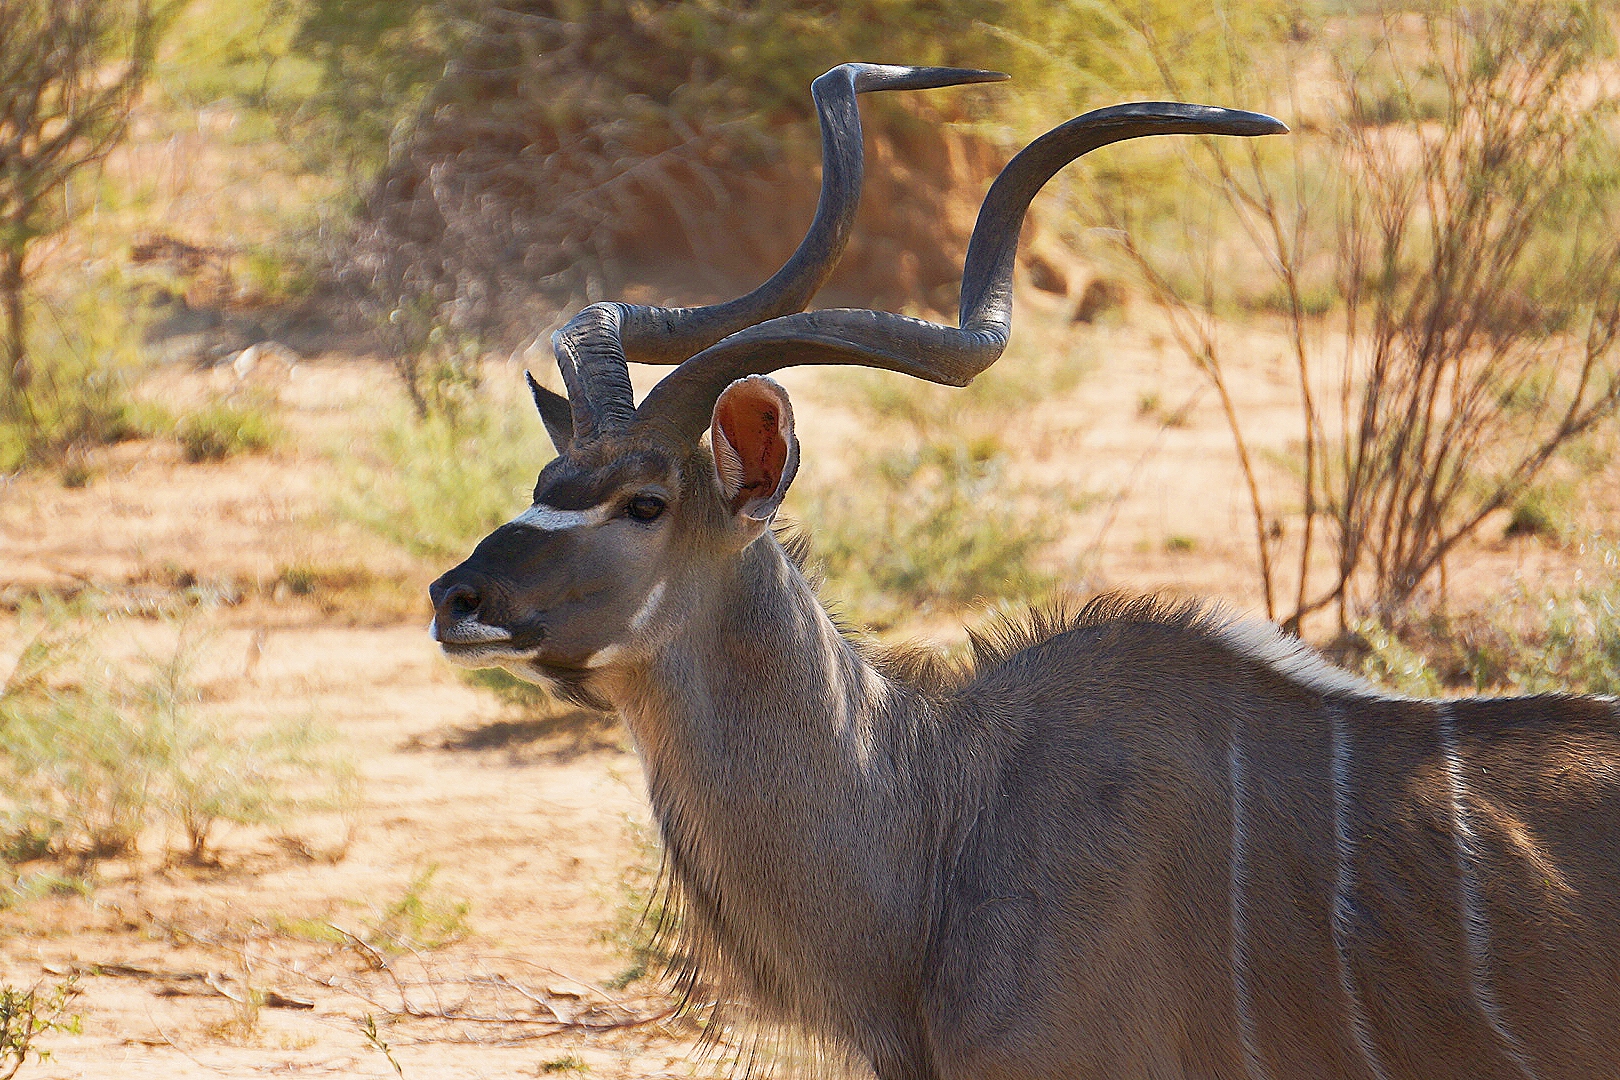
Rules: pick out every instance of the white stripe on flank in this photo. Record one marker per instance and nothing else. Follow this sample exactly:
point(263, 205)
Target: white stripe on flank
point(1476, 920)
point(550, 519)
point(1344, 882)
point(1237, 899)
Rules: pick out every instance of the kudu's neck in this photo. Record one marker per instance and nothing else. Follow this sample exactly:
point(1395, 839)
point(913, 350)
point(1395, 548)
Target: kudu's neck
point(782, 768)
point(759, 685)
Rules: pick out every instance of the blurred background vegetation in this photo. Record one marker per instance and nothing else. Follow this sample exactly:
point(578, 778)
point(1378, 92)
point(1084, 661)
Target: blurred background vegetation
point(433, 181)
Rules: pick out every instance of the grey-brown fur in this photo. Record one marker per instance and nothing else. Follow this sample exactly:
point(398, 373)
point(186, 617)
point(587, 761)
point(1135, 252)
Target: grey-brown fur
point(1029, 873)
point(1142, 841)
point(1027, 868)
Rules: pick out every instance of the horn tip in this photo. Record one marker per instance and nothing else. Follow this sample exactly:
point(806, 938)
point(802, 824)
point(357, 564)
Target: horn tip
point(1270, 125)
point(869, 77)
point(1253, 123)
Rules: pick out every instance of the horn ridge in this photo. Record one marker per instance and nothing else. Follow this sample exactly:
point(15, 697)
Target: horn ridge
point(683, 400)
point(663, 335)
point(593, 368)
point(593, 347)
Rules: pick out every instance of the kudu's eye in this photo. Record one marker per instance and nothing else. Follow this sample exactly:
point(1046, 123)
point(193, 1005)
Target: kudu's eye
point(645, 507)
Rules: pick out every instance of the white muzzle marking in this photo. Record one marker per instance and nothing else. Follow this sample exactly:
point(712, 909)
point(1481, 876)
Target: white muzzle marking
point(489, 655)
point(468, 633)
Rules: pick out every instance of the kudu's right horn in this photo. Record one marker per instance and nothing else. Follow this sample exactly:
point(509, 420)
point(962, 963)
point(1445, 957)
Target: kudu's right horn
point(593, 347)
point(953, 355)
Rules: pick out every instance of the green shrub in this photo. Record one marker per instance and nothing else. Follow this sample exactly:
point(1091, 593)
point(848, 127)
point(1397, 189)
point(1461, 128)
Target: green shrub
point(435, 486)
point(1525, 642)
point(223, 429)
point(421, 918)
point(1542, 510)
point(25, 888)
point(82, 395)
point(647, 919)
point(565, 1064)
point(92, 757)
point(25, 1015)
point(509, 689)
point(941, 525)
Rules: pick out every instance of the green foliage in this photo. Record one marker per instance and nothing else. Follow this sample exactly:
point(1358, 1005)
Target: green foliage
point(81, 395)
point(224, 429)
point(1542, 510)
point(1526, 642)
point(92, 757)
point(1390, 661)
point(643, 923)
point(28, 887)
point(435, 486)
point(438, 365)
point(1032, 371)
point(571, 150)
point(706, 61)
point(932, 516)
point(421, 917)
point(376, 61)
point(940, 525)
point(258, 59)
point(509, 689)
point(73, 73)
point(25, 1015)
point(78, 775)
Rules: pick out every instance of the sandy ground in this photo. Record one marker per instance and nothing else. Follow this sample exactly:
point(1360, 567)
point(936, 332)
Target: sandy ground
point(539, 827)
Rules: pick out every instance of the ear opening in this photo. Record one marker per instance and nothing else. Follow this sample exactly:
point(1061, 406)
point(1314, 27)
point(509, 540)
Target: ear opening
point(756, 452)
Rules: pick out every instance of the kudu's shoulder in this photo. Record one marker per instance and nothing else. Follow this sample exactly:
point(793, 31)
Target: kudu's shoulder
point(1134, 639)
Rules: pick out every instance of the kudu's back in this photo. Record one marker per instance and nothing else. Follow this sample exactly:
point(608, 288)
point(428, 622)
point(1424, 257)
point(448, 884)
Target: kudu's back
point(1203, 852)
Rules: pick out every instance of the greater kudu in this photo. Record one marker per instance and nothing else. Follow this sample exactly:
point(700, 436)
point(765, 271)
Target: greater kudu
point(1141, 841)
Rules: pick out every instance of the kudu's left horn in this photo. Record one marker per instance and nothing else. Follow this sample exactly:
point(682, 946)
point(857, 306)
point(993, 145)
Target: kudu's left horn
point(952, 355)
point(592, 348)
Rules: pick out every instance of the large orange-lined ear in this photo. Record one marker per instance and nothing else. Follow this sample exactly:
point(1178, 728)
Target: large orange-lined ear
point(755, 451)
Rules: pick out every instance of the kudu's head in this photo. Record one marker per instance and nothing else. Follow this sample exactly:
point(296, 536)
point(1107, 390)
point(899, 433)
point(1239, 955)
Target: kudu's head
point(632, 520)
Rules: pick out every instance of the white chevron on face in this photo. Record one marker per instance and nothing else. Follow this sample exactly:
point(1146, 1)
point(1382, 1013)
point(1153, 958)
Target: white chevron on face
point(550, 519)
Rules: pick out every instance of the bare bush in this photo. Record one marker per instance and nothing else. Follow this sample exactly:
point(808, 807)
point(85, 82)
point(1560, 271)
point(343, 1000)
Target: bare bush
point(1481, 275)
point(70, 71)
point(1456, 209)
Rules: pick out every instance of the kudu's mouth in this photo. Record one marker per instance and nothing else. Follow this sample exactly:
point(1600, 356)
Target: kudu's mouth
point(467, 641)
